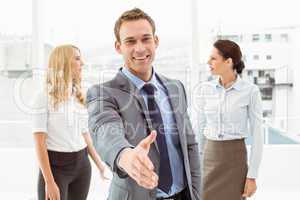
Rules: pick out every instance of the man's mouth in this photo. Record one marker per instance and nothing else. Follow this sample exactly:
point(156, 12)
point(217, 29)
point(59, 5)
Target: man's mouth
point(142, 58)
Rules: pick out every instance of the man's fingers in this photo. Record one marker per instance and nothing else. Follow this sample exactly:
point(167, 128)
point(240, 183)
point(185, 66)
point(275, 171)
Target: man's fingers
point(141, 167)
point(149, 175)
point(141, 181)
point(144, 181)
point(58, 196)
point(144, 176)
point(143, 170)
point(146, 142)
point(146, 184)
point(145, 160)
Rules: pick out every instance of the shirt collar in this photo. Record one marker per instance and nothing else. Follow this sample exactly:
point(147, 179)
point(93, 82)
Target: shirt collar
point(237, 85)
point(139, 83)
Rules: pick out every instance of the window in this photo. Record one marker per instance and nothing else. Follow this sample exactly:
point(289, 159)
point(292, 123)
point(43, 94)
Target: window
point(261, 73)
point(256, 57)
point(268, 37)
point(269, 57)
point(266, 93)
point(255, 37)
point(15, 41)
point(284, 37)
point(235, 38)
point(255, 80)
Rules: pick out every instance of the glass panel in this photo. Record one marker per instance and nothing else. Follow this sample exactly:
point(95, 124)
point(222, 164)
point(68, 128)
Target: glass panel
point(268, 37)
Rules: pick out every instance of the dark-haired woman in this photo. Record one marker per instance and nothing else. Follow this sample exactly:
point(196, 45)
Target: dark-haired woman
point(227, 105)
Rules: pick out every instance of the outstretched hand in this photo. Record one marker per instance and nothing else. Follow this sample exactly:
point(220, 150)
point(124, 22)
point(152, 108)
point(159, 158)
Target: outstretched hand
point(136, 163)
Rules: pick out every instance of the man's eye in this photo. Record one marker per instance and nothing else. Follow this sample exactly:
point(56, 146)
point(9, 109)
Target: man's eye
point(147, 39)
point(130, 41)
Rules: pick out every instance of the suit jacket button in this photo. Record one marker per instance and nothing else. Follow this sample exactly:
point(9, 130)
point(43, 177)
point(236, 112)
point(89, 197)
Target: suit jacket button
point(153, 194)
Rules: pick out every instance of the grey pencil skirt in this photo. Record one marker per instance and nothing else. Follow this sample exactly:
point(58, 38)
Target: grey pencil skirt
point(224, 170)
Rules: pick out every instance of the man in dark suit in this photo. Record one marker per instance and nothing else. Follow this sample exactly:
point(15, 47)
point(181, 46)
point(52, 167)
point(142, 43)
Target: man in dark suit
point(139, 122)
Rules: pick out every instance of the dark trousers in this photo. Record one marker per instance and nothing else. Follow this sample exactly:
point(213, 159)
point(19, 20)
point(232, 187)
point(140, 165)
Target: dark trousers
point(72, 174)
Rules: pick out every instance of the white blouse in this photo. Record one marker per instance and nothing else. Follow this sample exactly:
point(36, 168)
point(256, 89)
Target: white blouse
point(233, 113)
point(64, 126)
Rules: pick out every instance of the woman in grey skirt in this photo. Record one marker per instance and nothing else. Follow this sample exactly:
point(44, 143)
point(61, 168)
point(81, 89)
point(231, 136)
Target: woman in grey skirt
point(227, 105)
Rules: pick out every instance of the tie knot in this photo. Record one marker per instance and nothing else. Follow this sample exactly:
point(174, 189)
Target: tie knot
point(148, 88)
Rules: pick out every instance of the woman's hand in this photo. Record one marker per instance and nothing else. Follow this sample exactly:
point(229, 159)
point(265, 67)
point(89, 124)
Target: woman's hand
point(103, 174)
point(250, 187)
point(94, 155)
point(52, 191)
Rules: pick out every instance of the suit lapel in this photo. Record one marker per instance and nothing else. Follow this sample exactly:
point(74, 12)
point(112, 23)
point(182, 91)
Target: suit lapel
point(174, 95)
point(121, 82)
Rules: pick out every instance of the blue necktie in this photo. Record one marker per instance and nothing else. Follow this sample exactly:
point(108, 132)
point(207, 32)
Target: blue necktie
point(165, 173)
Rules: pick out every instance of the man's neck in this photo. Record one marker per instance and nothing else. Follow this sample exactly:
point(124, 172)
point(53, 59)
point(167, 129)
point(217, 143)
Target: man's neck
point(143, 76)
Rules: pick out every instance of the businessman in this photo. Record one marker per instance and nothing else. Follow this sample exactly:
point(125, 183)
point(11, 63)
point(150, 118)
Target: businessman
point(139, 122)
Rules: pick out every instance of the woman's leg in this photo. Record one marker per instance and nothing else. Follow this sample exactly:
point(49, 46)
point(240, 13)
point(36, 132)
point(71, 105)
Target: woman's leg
point(61, 181)
point(79, 188)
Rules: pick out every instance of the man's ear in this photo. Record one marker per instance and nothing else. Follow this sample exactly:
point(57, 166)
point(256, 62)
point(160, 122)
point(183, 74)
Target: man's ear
point(156, 41)
point(118, 46)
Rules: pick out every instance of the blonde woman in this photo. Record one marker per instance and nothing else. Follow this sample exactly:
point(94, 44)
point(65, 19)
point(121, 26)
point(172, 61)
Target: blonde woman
point(62, 141)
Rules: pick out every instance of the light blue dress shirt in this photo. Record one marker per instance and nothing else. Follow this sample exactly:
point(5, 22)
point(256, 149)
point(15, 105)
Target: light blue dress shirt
point(170, 128)
point(232, 113)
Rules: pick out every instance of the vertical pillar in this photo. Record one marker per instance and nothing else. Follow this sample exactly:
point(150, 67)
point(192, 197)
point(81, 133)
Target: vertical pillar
point(37, 50)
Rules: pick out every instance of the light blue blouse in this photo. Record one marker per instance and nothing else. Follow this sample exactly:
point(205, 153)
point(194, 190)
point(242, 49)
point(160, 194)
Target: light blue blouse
point(232, 113)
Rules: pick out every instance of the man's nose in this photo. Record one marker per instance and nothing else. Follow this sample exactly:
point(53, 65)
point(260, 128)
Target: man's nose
point(140, 47)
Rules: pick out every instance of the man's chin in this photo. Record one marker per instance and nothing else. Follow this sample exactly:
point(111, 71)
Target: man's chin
point(142, 67)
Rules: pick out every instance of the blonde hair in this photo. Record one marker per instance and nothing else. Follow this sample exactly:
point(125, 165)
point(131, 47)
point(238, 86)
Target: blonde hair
point(60, 78)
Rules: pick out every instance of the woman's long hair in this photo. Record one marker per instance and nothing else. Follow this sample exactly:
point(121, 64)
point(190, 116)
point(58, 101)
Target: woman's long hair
point(61, 82)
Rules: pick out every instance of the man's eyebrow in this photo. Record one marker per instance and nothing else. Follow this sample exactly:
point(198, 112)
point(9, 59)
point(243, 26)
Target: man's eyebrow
point(128, 38)
point(132, 38)
point(147, 35)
